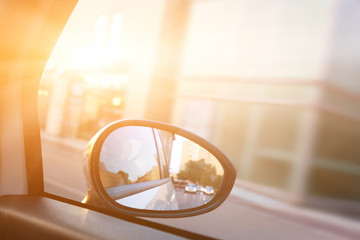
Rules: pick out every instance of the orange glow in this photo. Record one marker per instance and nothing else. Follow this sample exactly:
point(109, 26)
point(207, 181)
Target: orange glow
point(88, 46)
point(43, 93)
point(116, 101)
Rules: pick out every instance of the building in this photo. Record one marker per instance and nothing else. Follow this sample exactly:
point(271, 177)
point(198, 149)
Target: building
point(274, 84)
point(193, 152)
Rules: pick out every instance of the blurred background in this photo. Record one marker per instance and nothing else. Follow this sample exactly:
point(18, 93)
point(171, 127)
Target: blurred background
point(274, 84)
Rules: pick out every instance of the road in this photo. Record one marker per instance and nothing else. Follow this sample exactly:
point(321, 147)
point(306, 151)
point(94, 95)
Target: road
point(234, 219)
point(63, 174)
point(190, 200)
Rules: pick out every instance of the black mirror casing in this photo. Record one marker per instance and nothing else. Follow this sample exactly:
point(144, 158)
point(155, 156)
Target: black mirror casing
point(98, 197)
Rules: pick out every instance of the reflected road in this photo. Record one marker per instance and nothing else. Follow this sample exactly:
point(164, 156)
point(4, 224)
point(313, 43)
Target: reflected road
point(190, 200)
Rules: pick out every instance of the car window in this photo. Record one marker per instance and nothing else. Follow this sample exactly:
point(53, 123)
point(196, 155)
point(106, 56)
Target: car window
point(273, 84)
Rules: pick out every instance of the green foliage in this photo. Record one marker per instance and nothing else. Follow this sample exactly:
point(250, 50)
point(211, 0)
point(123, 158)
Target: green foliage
point(200, 173)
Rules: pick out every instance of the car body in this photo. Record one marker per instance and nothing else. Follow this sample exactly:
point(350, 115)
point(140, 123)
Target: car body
point(158, 198)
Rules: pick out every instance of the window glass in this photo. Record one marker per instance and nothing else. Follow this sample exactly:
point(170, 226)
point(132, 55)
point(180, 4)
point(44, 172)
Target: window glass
point(268, 85)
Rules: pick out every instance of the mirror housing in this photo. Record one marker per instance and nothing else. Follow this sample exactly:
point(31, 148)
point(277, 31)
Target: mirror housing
point(99, 197)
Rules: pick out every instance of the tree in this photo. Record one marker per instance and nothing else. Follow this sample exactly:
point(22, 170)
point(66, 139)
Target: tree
point(201, 173)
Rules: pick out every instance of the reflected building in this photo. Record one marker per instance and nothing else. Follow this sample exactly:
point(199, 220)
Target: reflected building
point(192, 151)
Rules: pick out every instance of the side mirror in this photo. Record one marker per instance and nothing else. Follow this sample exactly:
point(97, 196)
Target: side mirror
point(152, 169)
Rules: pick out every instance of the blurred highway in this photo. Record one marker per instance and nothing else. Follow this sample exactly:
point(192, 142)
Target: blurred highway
point(63, 173)
point(235, 219)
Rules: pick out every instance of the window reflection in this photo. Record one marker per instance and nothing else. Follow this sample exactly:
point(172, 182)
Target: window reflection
point(129, 156)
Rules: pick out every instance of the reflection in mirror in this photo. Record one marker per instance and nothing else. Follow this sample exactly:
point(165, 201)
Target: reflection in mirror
point(147, 168)
point(128, 156)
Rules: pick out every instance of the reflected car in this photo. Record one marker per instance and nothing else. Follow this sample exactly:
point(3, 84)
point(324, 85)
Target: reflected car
point(200, 188)
point(209, 190)
point(191, 188)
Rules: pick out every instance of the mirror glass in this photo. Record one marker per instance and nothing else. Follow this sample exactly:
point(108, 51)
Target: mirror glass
point(147, 168)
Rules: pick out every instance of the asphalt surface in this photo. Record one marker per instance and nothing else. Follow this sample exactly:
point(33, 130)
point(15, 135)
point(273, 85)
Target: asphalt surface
point(63, 173)
point(234, 219)
point(187, 200)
